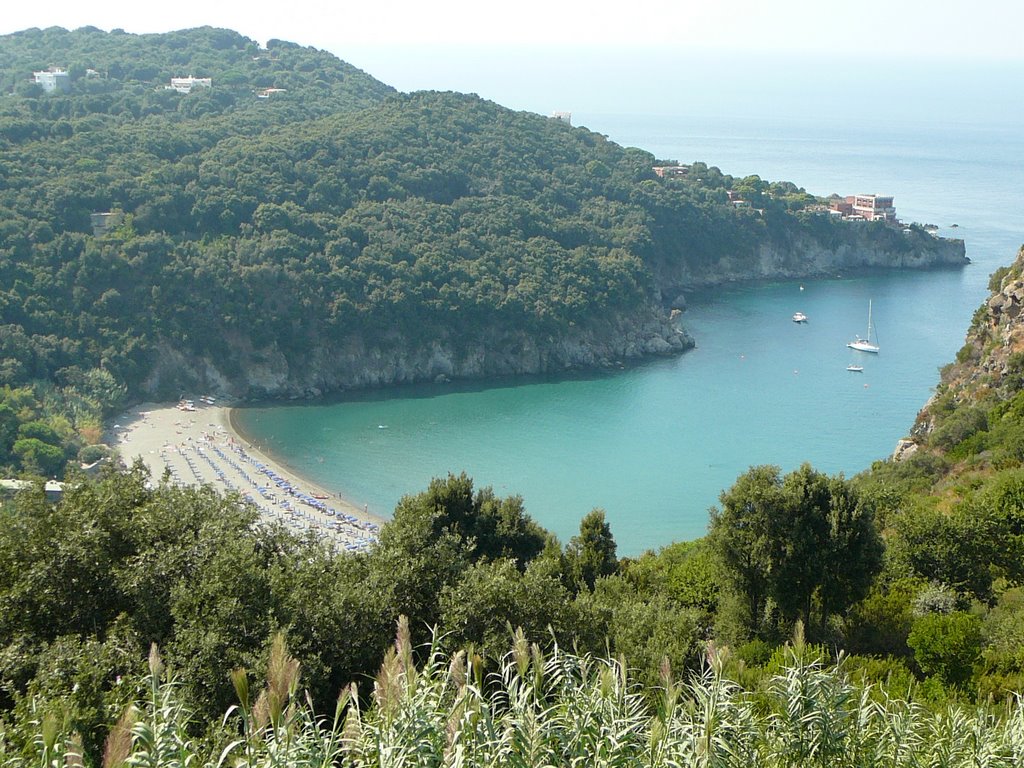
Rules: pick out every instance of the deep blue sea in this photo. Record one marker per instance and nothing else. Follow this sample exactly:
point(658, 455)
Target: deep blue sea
point(655, 445)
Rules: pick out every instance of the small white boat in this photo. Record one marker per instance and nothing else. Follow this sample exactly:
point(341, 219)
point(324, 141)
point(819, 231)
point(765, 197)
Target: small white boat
point(865, 345)
point(799, 317)
point(855, 368)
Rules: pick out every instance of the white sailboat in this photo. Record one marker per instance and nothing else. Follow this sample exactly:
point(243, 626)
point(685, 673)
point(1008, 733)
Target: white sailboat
point(865, 345)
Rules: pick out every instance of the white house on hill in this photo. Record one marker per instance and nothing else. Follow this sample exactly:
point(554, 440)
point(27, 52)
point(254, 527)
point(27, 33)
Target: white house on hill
point(53, 79)
point(186, 84)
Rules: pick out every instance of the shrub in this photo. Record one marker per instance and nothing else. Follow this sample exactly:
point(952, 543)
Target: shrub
point(947, 646)
point(90, 454)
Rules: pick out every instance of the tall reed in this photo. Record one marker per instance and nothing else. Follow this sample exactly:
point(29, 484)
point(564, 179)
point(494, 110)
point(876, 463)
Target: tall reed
point(548, 709)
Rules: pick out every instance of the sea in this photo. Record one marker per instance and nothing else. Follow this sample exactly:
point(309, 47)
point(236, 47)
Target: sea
point(655, 444)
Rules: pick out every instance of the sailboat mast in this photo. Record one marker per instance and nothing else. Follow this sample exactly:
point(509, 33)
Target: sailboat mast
point(865, 345)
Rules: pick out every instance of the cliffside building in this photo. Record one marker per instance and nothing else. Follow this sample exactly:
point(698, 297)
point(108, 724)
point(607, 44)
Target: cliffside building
point(842, 208)
point(53, 79)
point(874, 207)
point(865, 208)
point(565, 117)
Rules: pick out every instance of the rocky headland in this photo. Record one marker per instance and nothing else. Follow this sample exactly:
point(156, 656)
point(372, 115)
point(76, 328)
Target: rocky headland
point(988, 368)
point(655, 328)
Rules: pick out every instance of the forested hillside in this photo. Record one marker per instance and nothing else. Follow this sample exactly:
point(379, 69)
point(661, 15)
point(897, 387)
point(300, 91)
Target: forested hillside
point(298, 227)
point(876, 620)
point(908, 577)
point(339, 233)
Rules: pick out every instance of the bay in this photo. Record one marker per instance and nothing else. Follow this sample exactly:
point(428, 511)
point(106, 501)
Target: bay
point(654, 445)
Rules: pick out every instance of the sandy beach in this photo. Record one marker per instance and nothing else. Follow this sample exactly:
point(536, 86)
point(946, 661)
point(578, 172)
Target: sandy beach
point(200, 446)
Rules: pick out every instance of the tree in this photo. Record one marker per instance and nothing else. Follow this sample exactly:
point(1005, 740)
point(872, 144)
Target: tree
point(8, 430)
point(1001, 506)
point(490, 527)
point(856, 548)
point(415, 558)
point(336, 623)
point(493, 597)
point(881, 621)
point(437, 534)
point(806, 541)
point(591, 554)
point(687, 571)
point(800, 543)
point(646, 629)
point(38, 457)
point(740, 534)
point(953, 548)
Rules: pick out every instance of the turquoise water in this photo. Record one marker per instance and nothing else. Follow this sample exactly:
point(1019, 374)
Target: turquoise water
point(654, 445)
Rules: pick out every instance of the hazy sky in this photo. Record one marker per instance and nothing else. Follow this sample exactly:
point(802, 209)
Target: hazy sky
point(956, 28)
point(718, 55)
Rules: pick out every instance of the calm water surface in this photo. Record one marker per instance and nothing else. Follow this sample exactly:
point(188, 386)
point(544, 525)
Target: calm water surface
point(655, 445)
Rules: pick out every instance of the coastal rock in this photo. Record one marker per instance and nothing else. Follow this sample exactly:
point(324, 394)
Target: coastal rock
point(354, 363)
point(991, 362)
point(904, 449)
point(864, 245)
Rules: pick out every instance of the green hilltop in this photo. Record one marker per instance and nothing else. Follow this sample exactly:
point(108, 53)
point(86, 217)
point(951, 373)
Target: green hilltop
point(874, 620)
point(292, 227)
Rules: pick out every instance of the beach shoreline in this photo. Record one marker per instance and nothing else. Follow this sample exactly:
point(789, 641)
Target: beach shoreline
point(337, 497)
point(199, 444)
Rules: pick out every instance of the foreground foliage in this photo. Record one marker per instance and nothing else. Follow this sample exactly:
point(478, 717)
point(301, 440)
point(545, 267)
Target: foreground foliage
point(555, 709)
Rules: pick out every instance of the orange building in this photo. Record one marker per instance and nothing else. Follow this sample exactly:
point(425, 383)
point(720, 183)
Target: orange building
point(874, 207)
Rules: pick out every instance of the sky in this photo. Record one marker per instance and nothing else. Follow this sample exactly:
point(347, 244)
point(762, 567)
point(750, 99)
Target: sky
point(716, 55)
point(978, 29)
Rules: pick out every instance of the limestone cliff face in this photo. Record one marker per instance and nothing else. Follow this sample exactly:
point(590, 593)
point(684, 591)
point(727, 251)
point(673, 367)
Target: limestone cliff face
point(863, 246)
point(648, 330)
point(350, 362)
point(989, 363)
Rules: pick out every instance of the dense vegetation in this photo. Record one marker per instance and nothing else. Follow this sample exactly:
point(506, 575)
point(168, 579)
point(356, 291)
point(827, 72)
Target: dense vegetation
point(913, 569)
point(556, 709)
point(88, 584)
point(340, 209)
point(334, 215)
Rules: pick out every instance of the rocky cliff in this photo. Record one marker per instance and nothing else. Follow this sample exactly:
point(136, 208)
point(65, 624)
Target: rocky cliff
point(862, 246)
point(652, 329)
point(351, 362)
point(989, 368)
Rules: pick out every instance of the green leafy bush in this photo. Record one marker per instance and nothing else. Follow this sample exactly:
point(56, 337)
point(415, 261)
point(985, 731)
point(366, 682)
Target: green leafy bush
point(947, 645)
